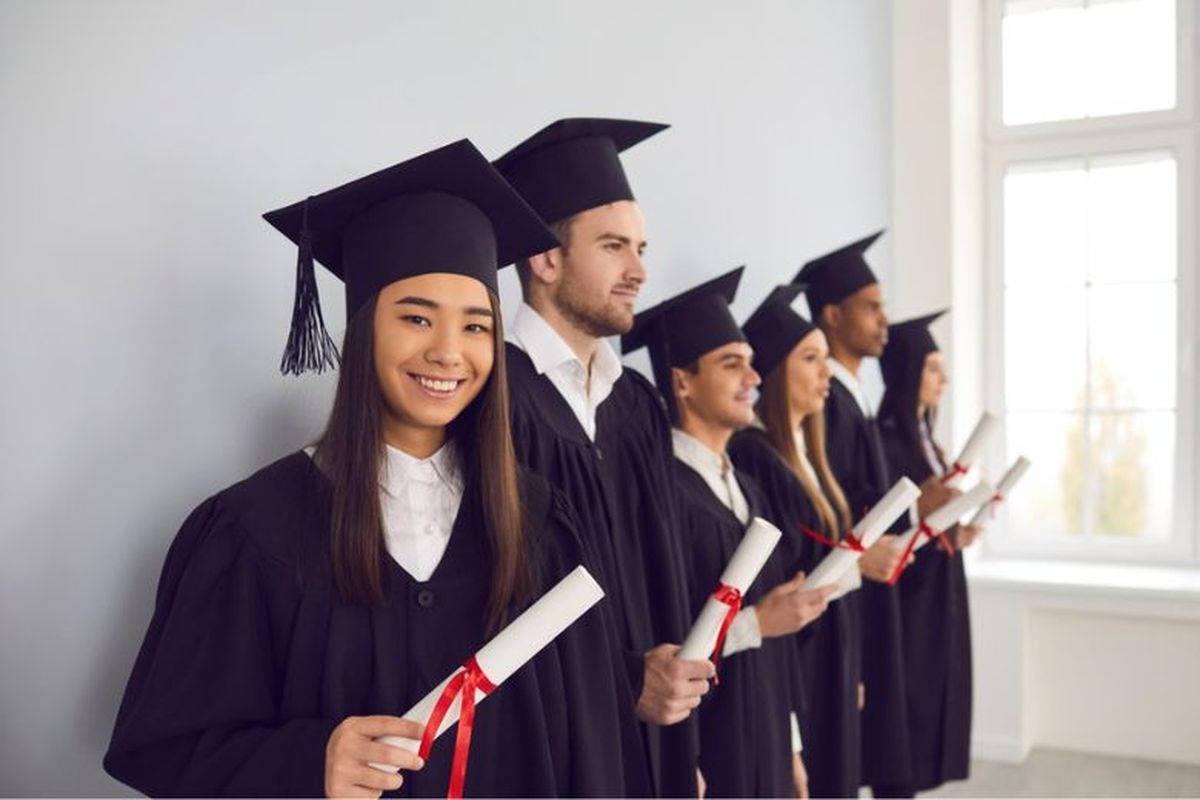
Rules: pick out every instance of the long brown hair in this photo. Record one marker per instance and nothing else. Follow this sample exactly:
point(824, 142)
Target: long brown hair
point(774, 410)
point(351, 454)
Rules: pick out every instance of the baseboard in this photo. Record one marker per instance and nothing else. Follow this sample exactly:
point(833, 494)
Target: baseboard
point(1007, 749)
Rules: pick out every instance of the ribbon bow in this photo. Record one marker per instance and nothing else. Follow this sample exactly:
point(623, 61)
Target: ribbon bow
point(922, 530)
point(470, 679)
point(850, 542)
point(955, 470)
point(731, 597)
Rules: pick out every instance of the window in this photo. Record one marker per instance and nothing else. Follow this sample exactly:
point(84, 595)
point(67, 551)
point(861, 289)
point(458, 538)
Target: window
point(1091, 195)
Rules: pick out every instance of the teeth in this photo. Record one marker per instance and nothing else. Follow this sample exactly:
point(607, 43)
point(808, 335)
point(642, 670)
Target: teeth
point(436, 385)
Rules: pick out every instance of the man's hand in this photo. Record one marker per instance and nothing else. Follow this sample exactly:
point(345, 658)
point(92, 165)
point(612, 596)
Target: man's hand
point(881, 559)
point(934, 495)
point(786, 608)
point(672, 687)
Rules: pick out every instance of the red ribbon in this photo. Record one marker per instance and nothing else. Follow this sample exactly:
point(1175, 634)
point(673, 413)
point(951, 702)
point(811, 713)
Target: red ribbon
point(997, 499)
point(954, 472)
point(923, 529)
point(731, 597)
point(851, 542)
point(470, 679)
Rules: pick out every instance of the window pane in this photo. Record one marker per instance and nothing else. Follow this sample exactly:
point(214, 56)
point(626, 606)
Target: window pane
point(1042, 64)
point(1045, 224)
point(1067, 59)
point(1133, 349)
point(1132, 219)
point(1131, 56)
point(1045, 371)
point(1131, 474)
point(1049, 499)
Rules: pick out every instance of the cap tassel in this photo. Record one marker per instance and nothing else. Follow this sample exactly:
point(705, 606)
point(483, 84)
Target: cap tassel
point(309, 346)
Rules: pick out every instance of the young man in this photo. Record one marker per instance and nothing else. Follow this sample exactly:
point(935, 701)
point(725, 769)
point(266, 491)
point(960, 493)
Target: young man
point(596, 431)
point(749, 735)
point(846, 301)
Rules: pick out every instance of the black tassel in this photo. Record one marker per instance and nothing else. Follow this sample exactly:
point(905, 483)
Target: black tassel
point(309, 347)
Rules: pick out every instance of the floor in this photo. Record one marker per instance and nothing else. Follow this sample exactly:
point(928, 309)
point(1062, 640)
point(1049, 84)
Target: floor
point(1058, 773)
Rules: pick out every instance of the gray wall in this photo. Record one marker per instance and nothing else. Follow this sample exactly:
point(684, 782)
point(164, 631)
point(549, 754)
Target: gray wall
point(145, 303)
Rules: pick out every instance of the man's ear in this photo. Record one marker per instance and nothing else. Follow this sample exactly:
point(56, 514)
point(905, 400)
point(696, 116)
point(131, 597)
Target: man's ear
point(680, 384)
point(546, 268)
point(831, 316)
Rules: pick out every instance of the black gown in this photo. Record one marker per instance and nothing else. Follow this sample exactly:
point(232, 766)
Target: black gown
point(621, 489)
point(830, 656)
point(252, 659)
point(857, 460)
point(745, 731)
point(937, 643)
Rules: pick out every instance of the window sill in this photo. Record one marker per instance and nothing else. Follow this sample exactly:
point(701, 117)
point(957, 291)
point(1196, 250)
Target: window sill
point(1080, 579)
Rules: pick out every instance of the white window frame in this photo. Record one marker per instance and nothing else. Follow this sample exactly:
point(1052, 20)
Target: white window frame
point(1177, 131)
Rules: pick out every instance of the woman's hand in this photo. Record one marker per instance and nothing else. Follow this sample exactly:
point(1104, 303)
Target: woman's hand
point(786, 608)
point(352, 748)
point(799, 777)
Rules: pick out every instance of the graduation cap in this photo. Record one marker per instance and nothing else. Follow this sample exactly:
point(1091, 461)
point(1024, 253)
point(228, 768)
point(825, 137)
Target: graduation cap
point(835, 276)
point(679, 330)
point(572, 165)
point(447, 210)
point(908, 344)
point(774, 328)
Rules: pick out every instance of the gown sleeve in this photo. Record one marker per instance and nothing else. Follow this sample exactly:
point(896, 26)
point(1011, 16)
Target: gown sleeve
point(198, 717)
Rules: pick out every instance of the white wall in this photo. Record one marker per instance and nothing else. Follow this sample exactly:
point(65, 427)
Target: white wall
point(145, 303)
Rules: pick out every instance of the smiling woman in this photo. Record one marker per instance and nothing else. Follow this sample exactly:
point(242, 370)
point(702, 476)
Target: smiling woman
point(301, 611)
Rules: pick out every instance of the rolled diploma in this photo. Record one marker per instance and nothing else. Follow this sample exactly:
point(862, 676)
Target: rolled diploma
point(511, 648)
point(747, 561)
point(868, 530)
point(1010, 479)
point(972, 451)
point(947, 515)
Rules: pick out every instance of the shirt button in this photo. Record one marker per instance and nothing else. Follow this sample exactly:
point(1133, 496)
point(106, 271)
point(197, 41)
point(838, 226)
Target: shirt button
point(430, 529)
point(425, 598)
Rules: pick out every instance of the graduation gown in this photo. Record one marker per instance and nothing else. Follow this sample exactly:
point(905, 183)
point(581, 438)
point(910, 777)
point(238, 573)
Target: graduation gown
point(252, 659)
point(829, 648)
point(937, 643)
point(857, 460)
point(745, 731)
point(620, 487)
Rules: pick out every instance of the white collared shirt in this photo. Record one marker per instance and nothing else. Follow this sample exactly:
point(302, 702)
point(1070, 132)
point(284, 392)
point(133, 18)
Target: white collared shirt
point(717, 471)
point(554, 358)
point(419, 500)
point(851, 382)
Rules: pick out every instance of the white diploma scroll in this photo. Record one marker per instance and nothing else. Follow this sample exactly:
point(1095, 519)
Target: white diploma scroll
point(868, 530)
point(747, 561)
point(946, 516)
point(1006, 484)
point(511, 648)
point(972, 452)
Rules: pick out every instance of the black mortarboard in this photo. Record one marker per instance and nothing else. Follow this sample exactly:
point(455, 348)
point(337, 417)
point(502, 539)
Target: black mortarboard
point(835, 276)
point(679, 330)
point(447, 210)
point(774, 328)
point(908, 343)
point(572, 165)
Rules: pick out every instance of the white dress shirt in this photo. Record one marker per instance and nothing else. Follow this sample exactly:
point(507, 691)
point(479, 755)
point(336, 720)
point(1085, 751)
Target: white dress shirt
point(554, 358)
point(717, 471)
point(851, 382)
point(419, 498)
